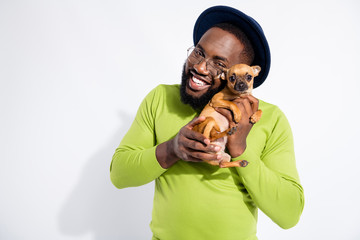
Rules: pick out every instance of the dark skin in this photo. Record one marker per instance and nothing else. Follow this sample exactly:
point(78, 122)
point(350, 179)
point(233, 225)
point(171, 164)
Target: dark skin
point(192, 146)
point(248, 105)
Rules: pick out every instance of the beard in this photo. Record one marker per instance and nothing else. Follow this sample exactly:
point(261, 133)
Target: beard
point(197, 103)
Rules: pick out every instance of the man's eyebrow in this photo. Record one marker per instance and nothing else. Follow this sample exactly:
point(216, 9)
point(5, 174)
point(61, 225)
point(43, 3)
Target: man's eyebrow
point(220, 58)
point(215, 57)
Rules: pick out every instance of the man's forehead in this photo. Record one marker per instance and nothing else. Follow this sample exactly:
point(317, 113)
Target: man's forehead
point(220, 43)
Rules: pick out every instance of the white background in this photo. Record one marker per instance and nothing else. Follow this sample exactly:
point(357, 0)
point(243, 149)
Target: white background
point(73, 74)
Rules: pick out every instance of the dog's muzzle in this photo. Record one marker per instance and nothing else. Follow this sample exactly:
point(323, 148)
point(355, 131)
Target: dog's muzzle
point(241, 86)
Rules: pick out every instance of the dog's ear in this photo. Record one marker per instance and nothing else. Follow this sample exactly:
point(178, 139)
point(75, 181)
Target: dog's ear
point(256, 69)
point(222, 76)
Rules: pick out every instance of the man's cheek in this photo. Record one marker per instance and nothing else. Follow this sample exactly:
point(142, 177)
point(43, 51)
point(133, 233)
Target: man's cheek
point(187, 67)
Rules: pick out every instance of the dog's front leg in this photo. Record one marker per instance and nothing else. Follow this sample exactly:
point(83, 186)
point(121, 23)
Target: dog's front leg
point(220, 103)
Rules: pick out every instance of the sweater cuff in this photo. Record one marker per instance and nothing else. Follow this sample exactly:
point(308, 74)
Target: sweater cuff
point(152, 166)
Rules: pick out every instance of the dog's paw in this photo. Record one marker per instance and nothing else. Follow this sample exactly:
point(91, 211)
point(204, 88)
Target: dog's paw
point(232, 130)
point(243, 163)
point(255, 117)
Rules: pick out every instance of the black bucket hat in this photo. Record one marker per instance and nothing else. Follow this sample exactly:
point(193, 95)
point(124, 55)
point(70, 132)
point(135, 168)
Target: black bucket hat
point(222, 14)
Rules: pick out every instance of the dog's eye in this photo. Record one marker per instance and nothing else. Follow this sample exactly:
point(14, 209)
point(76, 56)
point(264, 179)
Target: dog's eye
point(248, 78)
point(232, 78)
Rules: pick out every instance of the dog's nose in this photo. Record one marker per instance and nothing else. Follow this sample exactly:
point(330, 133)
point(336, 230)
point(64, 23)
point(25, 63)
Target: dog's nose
point(241, 86)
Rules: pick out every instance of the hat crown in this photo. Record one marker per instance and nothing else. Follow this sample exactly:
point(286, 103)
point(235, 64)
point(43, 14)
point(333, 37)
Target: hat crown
point(252, 29)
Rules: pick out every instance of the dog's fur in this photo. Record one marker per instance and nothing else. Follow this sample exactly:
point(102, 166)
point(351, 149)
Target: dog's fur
point(216, 127)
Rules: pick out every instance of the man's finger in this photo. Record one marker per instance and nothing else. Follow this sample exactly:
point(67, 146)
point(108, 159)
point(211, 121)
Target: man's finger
point(195, 121)
point(200, 156)
point(253, 101)
point(248, 107)
point(192, 135)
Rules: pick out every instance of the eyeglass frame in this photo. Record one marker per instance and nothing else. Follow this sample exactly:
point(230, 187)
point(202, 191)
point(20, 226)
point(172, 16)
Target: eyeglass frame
point(209, 62)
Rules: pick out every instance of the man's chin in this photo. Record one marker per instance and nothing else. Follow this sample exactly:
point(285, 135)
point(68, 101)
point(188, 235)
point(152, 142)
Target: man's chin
point(197, 99)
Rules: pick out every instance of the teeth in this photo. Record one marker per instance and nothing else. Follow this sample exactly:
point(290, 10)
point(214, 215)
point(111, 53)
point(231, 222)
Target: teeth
point(198, 82)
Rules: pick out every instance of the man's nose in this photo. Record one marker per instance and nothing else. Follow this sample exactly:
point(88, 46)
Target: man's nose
point(201, 67)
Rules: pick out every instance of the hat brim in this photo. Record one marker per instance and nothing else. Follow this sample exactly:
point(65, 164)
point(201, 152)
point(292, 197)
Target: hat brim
point(222, 14)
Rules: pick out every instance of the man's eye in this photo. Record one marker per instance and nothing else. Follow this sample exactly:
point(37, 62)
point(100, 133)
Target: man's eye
point(248, 78)
point(220, 64)
point(198, 53)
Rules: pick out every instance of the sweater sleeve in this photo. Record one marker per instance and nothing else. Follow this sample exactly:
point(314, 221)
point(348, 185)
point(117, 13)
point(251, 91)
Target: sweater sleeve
point(134, 162)
point(272, 179)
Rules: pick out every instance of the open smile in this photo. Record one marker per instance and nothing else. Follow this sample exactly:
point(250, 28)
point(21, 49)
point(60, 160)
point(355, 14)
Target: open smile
point(198, 83)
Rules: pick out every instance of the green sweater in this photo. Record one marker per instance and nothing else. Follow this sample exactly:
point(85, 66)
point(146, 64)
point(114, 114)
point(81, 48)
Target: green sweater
point(200, 201)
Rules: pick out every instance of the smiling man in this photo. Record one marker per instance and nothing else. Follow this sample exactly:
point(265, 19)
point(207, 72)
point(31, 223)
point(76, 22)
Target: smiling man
point(195, 200)
point(199, 81)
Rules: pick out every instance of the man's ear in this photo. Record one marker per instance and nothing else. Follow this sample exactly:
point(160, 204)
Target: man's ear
point(256, 69)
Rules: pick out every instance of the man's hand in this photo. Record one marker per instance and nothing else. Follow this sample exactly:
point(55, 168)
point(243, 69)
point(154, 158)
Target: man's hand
point(187, 145)
point(248, 105)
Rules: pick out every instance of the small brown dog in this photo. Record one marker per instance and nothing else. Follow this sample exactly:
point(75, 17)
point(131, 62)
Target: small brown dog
point(216, 127)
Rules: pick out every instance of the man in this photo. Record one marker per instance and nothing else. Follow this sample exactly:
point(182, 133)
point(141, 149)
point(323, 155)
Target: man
point(195, 200)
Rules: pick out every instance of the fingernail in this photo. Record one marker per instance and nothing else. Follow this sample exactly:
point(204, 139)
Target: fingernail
point(218, 156)
point(207, 141)
point(217, 148)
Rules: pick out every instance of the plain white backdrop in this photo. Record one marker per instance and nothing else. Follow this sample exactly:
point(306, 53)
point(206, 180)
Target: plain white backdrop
point(73, 73)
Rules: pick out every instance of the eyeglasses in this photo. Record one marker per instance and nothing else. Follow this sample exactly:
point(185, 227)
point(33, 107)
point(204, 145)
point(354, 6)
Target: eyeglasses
point(196, 56)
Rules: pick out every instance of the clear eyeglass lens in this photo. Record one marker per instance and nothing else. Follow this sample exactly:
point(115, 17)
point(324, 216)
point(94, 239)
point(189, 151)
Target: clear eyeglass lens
point(197, 58)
